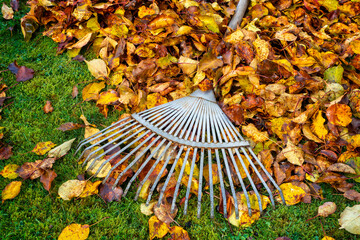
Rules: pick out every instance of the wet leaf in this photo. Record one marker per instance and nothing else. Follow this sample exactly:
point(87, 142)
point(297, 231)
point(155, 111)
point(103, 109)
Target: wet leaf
point(9, 171)
point(61, 150)
point(43, 147)
point(47, 178)
point(75, 232)
point(11, 190)
point(71, 189)
point(349, 219)
point(157, 228)
point(326, 209)
point(48, 108)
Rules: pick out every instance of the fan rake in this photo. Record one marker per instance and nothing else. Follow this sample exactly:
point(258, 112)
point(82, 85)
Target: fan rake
point(192, 128)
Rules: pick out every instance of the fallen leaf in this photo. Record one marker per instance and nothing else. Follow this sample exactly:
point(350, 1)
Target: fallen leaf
point(108, 194)
point(292, 193)
point(155, 99)
point(15, 5)
point(48, 108)
point(75, 231)
point(24, 74)
point(11, 190)
point(293, 154)
point(74, 91)
point(318, 125)
point(327, 238)
point(47, 178)
point(71, 189)
point(341, 167)
point(163, 212)
point(70, 126)
point(147, 210)
point(105, 169)
point(91, 188)
point(61, 150)
point(326, 209)
point(47, 163)
point(215, 174)
point(187, 65)
point(43, 147)
point(108, 97)
point(7, 12)
point(350, 220)
point(252, 132)
point(9, 171)
point(157, 228)
point(92, 90)
point(179, 233)
point(98, 68)
point(5, 152)
point(352, 195)
point(30, 170)
point(339, 114)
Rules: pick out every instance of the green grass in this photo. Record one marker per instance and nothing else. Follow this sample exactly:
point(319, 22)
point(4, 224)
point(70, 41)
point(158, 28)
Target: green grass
point(36, 214)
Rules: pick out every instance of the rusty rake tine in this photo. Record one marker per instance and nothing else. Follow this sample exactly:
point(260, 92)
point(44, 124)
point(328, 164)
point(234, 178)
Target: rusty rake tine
point(199, 129)
point(110, 149)
point(91, 138)
point(142, 165)
point(151, 170)
point(108, 137)
point(219, 166)
point(158, 176)
point(221, 122)
point(169, 175)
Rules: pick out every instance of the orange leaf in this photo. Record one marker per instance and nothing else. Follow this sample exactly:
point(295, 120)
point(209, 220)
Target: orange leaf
point(43, 147)
point(339, 114)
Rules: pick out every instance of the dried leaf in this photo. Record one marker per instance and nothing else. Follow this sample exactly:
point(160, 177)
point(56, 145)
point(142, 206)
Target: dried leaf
point(75, 232)
point(48, 108)
point(96, 166)
point(293, 154)
point(9, 171)
point(108, 194)
point(318, 125)
point(47, 178)
point(179, 233)
point(147, 210)
point(30, 170)
point(92, 90)
point(339, 114)
point(292, 193)
point(24, 74)
point(350, 220)
point(352, 195)
point(252, 132)
point(69, 126)
point(341, 167)
point(71, 189)
point(326, 209)
point(11, 190)
point(98, 68)
point(74, 91)
point(163, 212)
point(43, 147)
point(5, 152)
point(7, 12)
point(61, 150)
point(155, 99)
point(108, 97)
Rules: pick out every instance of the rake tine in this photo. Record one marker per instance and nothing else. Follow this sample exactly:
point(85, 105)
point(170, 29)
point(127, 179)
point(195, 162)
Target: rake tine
point(142, 166)
point(151, 169)
point(211, 185)
point(219, 166)
point(199, 129)
point(217, 126)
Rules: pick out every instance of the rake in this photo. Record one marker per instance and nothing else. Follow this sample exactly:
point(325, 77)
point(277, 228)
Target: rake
point(191, 128)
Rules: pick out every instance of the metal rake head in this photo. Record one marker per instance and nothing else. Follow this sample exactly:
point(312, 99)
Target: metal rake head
point(192, 128)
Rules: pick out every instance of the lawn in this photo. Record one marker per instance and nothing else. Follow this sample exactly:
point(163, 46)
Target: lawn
point(36, 214)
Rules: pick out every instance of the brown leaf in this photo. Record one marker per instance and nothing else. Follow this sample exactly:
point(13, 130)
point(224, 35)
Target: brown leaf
point(235, 113)
point(47, 178)
point(74, 92)
point(30, 170)
point(70, 126)
point(24, 74)
point(15, 5)
point(163, 212)
point(252, 132)
point(14, 67)
point(327, 209)
point(47, 163)
point(341, 167)
point(352, 195)
point(108, 194)
point(5, 152)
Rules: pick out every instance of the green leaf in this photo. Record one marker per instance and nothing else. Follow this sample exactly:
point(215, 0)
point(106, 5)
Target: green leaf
point(334, 74)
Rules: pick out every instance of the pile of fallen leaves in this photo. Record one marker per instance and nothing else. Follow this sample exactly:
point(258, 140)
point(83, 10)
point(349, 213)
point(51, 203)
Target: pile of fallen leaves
point(288, 76)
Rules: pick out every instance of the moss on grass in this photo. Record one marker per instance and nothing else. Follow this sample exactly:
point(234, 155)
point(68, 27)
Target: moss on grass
point(35, 214)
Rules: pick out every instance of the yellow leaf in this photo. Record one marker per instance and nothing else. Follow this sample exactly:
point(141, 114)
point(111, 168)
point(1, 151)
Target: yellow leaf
point(262, 49)
point(161, 22)
point(157, 228)
point(292, 194)
point(350, 220)
point(355, 140)
point(147, 210)
point(145, 189)
point(252, 132)
point(82, 42)
point(254, 204)
point(179, 233)
point(187, 65)
point(61, 150)
point(145, 51)
point(209, 23)
point(75, 232)
point(43, 147)
point(215, 173)
point(144, 11)
point(91, 188)
point(293, 154)
point(104, 170)
point(71, 189)
point(108, 97)
point(7, 12)
point(327, 238)
point(244, 219)
point(318, 125)
point(93, 24)
point(355, 46)
point(234, 37)
point(184, 30)
point(155, 99)
point(91, 91)
point(9, 171)
point(98, 68)
point(11, 190)
point(330, 5)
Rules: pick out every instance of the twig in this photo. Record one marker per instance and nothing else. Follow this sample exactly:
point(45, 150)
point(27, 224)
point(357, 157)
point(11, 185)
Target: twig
point(99, 221)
